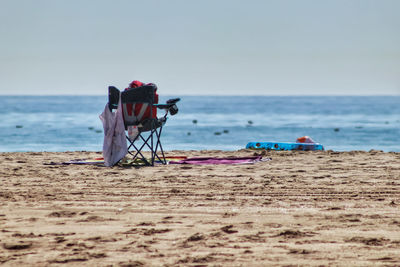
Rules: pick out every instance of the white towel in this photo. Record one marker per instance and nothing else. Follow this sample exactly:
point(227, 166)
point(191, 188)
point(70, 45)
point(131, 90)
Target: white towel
point(114, 145)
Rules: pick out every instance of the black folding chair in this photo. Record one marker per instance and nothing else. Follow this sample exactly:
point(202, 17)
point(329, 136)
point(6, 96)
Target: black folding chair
point(138, 108)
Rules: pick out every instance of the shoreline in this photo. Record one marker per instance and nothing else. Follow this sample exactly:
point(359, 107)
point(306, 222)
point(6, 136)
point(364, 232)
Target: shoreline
point(306, 208)
point(196, 151)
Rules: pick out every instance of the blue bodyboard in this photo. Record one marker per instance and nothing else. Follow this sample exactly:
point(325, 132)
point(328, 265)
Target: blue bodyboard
point(284, 146)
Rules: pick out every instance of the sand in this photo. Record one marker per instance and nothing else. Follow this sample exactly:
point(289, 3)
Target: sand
point(301, 208)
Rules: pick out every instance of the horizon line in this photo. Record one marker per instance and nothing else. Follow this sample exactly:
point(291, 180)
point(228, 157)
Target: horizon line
point(222, 95)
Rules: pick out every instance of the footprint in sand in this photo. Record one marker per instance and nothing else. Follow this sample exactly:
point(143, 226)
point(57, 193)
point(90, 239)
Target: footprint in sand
point(228, 229)
point(62, 213)
point(195, 237)
point(94, 218)
point(293, 234)
point(12, 245)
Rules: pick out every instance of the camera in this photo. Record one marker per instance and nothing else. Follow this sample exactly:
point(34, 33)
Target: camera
point(173, 108)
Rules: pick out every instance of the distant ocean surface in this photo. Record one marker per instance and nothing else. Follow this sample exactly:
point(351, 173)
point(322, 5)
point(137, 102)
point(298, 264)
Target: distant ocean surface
point(340, 123)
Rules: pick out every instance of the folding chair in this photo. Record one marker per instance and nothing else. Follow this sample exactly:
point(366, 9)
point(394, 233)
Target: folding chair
point(139, 109)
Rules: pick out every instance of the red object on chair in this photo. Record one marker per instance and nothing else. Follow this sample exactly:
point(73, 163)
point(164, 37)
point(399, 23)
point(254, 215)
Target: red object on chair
point(142, 110)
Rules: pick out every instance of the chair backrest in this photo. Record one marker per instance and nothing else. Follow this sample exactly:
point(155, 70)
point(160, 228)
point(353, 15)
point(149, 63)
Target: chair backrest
point(137, 104)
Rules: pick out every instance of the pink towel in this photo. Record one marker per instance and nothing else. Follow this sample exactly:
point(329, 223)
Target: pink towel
point(210, 160)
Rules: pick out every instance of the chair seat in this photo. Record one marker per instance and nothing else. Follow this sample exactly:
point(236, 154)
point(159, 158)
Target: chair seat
point(151, 124)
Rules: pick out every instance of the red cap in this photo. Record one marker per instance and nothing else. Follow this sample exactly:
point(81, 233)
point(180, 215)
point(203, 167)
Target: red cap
point(135, 84)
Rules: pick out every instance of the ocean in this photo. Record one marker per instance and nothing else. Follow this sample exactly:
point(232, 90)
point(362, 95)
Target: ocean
point(340, 123)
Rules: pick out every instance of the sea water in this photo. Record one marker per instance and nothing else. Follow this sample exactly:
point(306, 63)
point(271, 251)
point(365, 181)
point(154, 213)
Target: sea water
point(340, 123)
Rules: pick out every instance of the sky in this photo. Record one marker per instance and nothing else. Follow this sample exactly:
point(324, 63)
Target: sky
point(207, 47)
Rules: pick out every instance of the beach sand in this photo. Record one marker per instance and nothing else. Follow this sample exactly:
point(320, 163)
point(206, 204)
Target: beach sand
point(300, 208)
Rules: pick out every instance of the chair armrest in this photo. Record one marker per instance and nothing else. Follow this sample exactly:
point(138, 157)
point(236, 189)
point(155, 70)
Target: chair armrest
point(163, 106)
point(170, 103)
point(170, 106)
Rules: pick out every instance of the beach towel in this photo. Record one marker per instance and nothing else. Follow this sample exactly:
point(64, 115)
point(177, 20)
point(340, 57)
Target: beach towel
point(213, 160)
point(96, 161)
point(114, 144)
point(139, 162)
point(170, 160)
point(123, 162)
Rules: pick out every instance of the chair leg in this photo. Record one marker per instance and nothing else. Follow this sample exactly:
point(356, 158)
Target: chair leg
point(163, 161)
point(152, 148)
point(149, 142)
point(138, 151)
